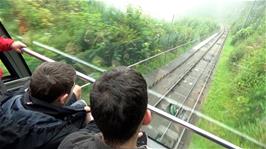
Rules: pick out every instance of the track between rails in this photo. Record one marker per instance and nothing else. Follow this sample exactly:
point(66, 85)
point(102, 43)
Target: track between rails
point(184, 82)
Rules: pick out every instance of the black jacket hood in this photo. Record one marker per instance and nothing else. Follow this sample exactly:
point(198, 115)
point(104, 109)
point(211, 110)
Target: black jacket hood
point(85, 140)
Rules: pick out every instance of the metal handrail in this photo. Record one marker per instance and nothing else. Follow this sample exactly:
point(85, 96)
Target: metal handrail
point(166, 115)
point(169, 50)
point(156, 55)
point(57, 51)
point(46, 59)
point(195, 129)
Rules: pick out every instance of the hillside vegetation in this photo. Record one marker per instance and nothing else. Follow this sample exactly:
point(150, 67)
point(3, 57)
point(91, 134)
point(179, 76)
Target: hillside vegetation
point(237, 96)
point(98, 33)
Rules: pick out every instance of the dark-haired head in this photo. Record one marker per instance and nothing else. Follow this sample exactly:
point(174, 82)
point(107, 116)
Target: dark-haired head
point(52, 80)
point(119, 103)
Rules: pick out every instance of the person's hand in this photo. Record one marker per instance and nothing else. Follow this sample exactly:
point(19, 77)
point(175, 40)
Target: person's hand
point(87, 109)
point(17, 46)
point(77, 91)
point(142, 139)
point(140, 134)
point(88, 114)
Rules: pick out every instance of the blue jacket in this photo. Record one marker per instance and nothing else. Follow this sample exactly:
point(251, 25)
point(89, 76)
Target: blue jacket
point(29, 123)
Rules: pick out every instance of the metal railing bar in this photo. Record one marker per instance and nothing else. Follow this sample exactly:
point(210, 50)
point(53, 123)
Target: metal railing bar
point(66, 55)
point(156, 55)
point(84, 85)
point(169, 117)
point(169, 50)
point(193, 128)
point(201, 115)
point(46, 59)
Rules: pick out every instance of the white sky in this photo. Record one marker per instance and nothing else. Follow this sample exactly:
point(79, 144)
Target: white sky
point(165, 9)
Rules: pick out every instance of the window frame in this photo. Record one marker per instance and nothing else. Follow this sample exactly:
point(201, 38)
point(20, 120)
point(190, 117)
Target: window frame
point(14, 63)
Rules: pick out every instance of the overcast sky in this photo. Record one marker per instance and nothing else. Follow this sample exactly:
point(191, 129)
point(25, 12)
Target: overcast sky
point(165, 9)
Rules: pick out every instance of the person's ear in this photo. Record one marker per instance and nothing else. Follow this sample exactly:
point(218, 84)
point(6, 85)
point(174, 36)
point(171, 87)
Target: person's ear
point(147, 118)
point(62, 99)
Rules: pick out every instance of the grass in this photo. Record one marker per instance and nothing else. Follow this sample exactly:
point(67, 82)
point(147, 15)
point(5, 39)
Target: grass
point(217, 95)
point(226, 105)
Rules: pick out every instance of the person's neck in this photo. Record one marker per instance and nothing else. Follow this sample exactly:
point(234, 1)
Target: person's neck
point(130, 144)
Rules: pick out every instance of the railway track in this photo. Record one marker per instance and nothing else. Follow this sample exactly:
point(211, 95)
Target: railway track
point(162, 81)
point(183, 83)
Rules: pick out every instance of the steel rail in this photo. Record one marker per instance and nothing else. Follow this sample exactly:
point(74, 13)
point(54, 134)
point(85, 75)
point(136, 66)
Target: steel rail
point(180, 108)
point(186, 71)
point(215, 59)
point(198, 47)
point(182, 104)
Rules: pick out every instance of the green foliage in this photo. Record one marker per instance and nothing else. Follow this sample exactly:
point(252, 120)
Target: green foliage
point(242, 34)
point(99, 34)
point(237, 96)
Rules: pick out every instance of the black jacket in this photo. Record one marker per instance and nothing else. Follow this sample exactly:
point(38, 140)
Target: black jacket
point(85, 140)
point(26, 122)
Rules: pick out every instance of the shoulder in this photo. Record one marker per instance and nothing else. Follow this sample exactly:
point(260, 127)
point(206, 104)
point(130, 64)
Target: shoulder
point(79, 139)
point(11, 102)
point(14, 110)
point(83, 139)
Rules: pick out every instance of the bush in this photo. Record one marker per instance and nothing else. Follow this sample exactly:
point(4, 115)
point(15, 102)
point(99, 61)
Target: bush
point(242, 34)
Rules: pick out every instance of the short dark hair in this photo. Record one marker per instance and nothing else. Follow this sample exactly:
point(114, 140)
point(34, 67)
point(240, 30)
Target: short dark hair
point(52, 79)
point(118, 103)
